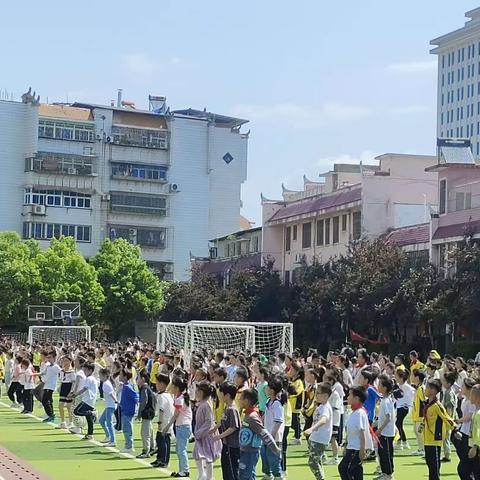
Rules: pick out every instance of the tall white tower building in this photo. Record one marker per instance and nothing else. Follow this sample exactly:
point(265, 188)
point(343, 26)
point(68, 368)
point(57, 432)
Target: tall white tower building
point(458, 101)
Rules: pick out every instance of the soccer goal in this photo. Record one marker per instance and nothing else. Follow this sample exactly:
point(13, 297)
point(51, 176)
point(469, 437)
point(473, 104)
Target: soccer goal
point(171, 335)
point(50, 334)
point(270, 337)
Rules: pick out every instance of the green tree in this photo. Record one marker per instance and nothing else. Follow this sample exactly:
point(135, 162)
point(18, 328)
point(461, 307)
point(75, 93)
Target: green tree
point(65, 276)
point(19, 277)
point(132, 291)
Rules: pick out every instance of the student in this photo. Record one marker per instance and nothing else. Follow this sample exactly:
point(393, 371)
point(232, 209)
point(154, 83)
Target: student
point(274, 424)
point(49, 377)
point(359, 438)
point(8, 369)
point(146, 413)
point(418, 409)
point(15, 389)
point(88, 394)
point(465, 425)
point(207, 448)
point(252, 434)
point(261, 387)
point(110, 398)
point(219, 378)
point(28, 381)
point(336, 402)
point(296, 394)
point(67, 380)
point(228, 428)
point(436, 423)
point(182, 419)
point(165, 409)
point(320, 433)
point(472, 467)
point(128, 403)
point(404, 404)
point(309, 403)
point(78, 422)
point(449, 401)
point(386, 427)
point(367, 378)
point(240, 380)
point(415, 364)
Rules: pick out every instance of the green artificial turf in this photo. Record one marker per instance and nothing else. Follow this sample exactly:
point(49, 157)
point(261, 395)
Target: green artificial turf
point(61, 455)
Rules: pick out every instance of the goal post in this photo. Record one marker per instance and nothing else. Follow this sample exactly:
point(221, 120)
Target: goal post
point(262, 337)
point(78, 333)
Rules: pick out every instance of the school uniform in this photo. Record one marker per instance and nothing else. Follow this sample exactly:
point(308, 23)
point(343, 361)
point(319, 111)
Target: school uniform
point(385, 450)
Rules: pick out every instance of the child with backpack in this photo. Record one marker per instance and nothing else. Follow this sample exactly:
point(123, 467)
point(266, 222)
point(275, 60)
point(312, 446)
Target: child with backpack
point(146, 412)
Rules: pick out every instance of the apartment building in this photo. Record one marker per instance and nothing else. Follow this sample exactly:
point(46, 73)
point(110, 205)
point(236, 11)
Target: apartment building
point(357, 202)
point(458, 93)
point(167, 181)
point(458, 217)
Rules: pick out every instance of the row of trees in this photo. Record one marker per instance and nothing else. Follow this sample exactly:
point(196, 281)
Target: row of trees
point(374, 290)
point(115, 287)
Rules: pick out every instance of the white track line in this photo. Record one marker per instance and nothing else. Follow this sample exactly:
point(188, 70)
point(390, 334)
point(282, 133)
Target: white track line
point(94, 442)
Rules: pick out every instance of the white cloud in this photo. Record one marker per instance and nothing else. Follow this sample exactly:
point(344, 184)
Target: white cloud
point(409, 110)
point(413, 68)
point(140, 64)
point(302, 116)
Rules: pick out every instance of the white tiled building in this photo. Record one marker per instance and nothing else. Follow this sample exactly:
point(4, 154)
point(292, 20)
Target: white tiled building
point(458, 98)
point(167, 181)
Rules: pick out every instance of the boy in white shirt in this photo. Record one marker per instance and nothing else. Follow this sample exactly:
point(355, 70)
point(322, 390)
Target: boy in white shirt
point(49, 377)
point(359, 439)
point(320, 433)
point(78, 422)
point(28, 381)
point(89, 397)
point(386, 427)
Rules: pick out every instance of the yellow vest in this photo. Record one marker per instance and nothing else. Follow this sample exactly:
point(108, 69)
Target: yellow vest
point(436, 424)
point(418, 404)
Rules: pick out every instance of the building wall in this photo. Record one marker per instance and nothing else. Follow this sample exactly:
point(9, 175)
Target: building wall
point(18, 137)
point(402, 198)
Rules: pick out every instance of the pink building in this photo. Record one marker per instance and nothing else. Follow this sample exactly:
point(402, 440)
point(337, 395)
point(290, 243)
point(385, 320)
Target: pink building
point(458, 217)
point(354, 202)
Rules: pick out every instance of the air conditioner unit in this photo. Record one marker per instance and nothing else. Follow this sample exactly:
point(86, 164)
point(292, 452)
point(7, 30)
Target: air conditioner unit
point(39, 209)
point(213, 252)
point(168, 268)
point(173, 188)
point(105, 197)
point(132, 232)
point(72, 171)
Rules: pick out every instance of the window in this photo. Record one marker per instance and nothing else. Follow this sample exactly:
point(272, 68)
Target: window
point(443, 195)
point(288, 239)
point(336, 229)
point(57, 198)
point(57, 129)
point(147, 172)
point(47, 231)
point(344, 222)
point(320, 232)
point(335, 181)
point(140, 137)
point(327, 231)
point(357, 225)
point(143, 204)
point(294, 233)
point(306, 235)
point(255, 244)
point(463, 201)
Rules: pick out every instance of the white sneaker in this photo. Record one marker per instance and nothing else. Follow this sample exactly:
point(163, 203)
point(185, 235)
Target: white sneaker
point(109, 444)
point(129, 451)
point(61, 426)
point(418, 453)
point(105, 440)
point(398, 446)
point(296, 441)
point(406, 446)
point(76, 430)
point(332, 461)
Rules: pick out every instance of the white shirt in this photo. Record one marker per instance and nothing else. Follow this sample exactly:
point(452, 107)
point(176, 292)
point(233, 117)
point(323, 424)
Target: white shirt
point(341, 393)
point(408, 394)
point(80, 380)
point(358, 375)
point(274, 416)
point(90, 396)
point(50, 376)
point(108, 392)
point(387, 408)
point(468, 408)
point(358, 425)
point(324, 433)
point(335, 405)
point(165, 410)
point(347, 378)
point(29, 379)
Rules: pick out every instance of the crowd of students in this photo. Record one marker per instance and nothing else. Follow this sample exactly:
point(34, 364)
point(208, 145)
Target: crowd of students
point(240, 409)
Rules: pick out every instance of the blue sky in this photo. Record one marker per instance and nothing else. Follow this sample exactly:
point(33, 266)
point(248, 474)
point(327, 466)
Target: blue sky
point(320, 81)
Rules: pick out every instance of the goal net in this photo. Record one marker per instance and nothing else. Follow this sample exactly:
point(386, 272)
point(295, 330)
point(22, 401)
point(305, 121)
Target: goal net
point(266, 337)
point(44, 334)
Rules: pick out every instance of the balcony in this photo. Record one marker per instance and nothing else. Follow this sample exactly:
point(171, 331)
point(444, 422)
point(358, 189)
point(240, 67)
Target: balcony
point(153, 138)
point(122, 202)
point(139, 172)
point(143, 236)
point(71, 131)
point(61, 164)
